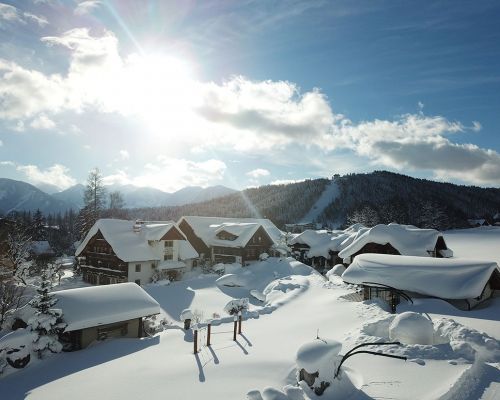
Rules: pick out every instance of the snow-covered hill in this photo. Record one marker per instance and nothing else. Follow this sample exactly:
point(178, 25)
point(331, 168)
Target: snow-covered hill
point(328, 196)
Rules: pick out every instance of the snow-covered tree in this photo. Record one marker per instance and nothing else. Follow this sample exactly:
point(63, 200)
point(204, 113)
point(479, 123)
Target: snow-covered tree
point(11, 298)
point(116, 205)
point(17, 257)
point(94, 199)
point(47, 323)
point(366, 216)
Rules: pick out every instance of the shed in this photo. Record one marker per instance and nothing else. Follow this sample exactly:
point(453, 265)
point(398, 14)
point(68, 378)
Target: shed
point(101, 312)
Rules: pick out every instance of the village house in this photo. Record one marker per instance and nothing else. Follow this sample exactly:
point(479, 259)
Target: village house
point(116, 251)
point(98, 313)
point(228, 240)
point(395, 239)
point(462, 282)
point(316, 248)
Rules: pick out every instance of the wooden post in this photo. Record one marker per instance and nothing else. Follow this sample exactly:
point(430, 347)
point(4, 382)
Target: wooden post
point(235, 327)
point(209, 330)
point(195, 341)
point(240, 319)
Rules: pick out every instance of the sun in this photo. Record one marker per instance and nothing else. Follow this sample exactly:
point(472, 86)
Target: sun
point(162, 90)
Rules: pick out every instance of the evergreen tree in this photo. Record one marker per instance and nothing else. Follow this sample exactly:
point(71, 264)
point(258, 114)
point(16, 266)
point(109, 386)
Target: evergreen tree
point(38, 226)
point(47, 322)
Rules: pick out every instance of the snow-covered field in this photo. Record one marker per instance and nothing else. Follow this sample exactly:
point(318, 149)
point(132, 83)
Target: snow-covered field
point(462, 362)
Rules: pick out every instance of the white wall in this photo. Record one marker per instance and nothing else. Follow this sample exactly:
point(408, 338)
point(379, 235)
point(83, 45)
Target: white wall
point(146, 273)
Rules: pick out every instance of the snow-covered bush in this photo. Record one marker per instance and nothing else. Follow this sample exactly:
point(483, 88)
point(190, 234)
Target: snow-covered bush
point(47, 323)
point(263, 256)
point(411, 328)
point(3, 360)
point(337, 270)
point(316, 363)
point(236, 306)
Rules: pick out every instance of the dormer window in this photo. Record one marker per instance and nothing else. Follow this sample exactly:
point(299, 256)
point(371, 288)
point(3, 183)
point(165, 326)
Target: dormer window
point(169, 243)
point(224, 235)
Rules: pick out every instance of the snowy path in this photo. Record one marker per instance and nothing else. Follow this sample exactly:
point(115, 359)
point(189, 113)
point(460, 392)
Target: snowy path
point(330, 193)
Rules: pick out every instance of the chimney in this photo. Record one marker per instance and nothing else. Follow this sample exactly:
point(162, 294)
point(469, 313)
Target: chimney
point(138, 225)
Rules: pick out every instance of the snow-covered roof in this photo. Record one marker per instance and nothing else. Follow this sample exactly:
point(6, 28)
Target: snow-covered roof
point(186, 250)
point(447, 278)
point(322, 242)
point(99, 305)
point(133, 245)
point(206, 228)
point(41, 247)
point(407, 239)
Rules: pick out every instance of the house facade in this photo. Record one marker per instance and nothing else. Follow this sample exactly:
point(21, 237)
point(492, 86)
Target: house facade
point(116, 251)
point(228, 240)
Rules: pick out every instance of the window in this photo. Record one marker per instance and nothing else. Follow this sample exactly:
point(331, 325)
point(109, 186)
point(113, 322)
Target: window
point(169, 243)
point(167, 257)
point(152, 265)
point(137, 267)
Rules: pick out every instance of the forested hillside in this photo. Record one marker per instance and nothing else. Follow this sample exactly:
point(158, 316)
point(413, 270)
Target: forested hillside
point(384, 197)
point(378, 197)
point(280, 203)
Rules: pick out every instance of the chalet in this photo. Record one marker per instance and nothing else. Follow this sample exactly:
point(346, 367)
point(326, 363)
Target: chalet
point(316, 248)
point(116, 251)
point(230, 240)
point(396, 239)
point(98, 313)
point(462, 282)
point(301, 227)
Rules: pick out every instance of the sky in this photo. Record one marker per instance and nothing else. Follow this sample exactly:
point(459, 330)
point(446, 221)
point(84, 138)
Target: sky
point(169, 94)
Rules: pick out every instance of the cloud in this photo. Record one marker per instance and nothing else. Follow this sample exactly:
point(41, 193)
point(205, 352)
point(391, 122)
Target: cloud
point(124, 154)
point(57, 175)
point(8, 163)
point(43, 122)
point(258, 173)
point(172, 174)
point(12, 14)
point(86, 7)
point(262, 118)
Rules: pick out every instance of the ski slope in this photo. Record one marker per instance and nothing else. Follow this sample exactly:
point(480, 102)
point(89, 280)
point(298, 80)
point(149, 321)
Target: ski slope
point(329, 195)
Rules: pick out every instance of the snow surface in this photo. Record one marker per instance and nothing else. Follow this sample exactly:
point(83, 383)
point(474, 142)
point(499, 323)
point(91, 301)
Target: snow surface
point(98, 305)
point(330, 193)
point(407, 239)
point(464, 364)
point(446, 278)
point(132, 246)
point(411, 328)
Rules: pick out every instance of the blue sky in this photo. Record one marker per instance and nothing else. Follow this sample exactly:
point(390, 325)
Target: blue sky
point(170, 94)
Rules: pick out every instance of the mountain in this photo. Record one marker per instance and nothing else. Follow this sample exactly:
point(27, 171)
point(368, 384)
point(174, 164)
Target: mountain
point(17, 196)
point(377, 197)
point(47, 188)
point(73, 196)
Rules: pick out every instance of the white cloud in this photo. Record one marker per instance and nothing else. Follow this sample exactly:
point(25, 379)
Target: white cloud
point(13, 14)
point(42, 122)
point(86, 7)
point(1, 143)
point(476, 126)
point(254, 117)
point(124, 154)
point(258, 173)
point(7, 163)
point(87, 146)
point(57, 175)
point(171, 174)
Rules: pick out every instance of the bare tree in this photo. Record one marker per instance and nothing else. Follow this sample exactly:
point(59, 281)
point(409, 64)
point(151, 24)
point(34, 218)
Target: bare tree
point(11, 299)
point(17, 257)
point(94, 199)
